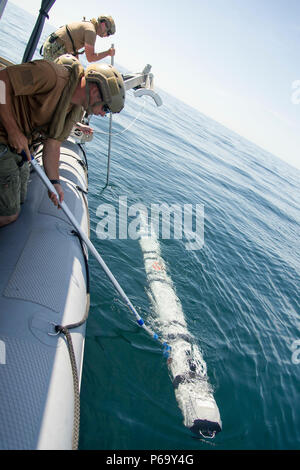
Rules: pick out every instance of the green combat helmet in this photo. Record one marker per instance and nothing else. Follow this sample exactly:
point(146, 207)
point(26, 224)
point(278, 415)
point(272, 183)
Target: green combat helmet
point(110, 24)
point(110, 83)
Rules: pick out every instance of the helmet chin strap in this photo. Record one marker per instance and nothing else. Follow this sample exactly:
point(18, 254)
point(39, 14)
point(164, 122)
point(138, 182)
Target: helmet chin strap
point(88, 108)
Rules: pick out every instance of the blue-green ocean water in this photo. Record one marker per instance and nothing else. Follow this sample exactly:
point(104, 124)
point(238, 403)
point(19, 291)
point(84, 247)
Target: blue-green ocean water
point(239, 293)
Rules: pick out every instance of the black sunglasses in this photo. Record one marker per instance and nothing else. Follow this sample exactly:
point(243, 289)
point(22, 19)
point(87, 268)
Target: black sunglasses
point(106, 109)
point(108, 31)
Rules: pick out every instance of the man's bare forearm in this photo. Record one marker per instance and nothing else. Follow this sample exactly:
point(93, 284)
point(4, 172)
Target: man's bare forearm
point(93, 56)
point(51, 154)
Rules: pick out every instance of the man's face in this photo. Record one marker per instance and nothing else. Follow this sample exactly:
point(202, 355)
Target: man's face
point(102, 30)
point(98, 109)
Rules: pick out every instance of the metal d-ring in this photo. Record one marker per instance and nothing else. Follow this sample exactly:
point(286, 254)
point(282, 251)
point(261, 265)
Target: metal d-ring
point(208, 437)
point(57, 332)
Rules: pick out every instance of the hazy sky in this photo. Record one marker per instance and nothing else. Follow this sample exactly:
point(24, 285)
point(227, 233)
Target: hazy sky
point(236, 61)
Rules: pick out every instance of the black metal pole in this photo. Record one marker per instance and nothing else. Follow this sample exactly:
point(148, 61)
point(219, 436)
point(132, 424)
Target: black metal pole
point(37, 30)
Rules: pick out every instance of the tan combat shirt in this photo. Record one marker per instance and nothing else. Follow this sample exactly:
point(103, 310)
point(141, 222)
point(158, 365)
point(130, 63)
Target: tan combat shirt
point(36, 88)
point(81, 31)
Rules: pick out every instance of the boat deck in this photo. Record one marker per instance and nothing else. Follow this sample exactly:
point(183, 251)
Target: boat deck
point(43, 282)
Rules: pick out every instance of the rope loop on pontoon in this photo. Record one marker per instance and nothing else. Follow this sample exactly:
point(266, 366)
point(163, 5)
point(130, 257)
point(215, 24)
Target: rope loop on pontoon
point(75, 437)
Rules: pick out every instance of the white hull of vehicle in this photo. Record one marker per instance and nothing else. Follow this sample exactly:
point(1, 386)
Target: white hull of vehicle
point(43, 283)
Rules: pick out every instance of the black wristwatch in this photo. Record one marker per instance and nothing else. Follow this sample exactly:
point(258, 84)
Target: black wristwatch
point(55, 181)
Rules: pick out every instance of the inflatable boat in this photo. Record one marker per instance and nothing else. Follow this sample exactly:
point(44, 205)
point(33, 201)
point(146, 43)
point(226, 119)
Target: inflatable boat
point(43, 283)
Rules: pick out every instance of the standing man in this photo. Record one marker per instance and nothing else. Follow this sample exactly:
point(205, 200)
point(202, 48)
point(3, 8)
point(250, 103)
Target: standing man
point(46, 99)
point(74, 36)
